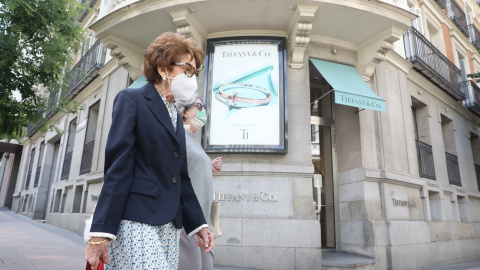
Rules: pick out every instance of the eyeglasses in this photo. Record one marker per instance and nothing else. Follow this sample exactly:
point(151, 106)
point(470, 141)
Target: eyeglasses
point(199, 105)
point(190, 70)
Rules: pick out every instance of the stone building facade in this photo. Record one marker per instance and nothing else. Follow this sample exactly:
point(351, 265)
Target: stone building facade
point(387, 185)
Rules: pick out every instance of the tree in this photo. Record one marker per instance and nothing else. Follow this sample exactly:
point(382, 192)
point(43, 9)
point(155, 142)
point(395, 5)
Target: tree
point(37, 40)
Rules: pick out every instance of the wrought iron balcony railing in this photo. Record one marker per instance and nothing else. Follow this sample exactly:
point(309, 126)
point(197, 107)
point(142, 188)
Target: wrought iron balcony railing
point(442, 3)
point(453, 170)
point(426, 168)
point(473, 100)
point(87, 155)
point(427, 59)
point(457, 15)
point(474, 36)
point(79, 76)
point(85, 70)
point(90, 4)
point(67, 161)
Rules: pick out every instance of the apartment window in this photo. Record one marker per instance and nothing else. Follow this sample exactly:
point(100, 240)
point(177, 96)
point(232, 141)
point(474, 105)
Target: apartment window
point(67, 160)
point(39, 165)
point(426, 168)
point(463, 212)
point(29, 172)
point(87, 155)
point(58, 198)
point(450, 151)
point(77, 199)
point(84, 202)
point(435, 206)
point(475, 144)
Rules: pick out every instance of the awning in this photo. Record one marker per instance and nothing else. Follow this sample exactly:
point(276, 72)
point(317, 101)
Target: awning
point(350, 88)
point(141, 81)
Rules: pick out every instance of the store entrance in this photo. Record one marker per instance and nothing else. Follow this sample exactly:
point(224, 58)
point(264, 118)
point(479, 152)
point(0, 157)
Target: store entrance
point(322, 138)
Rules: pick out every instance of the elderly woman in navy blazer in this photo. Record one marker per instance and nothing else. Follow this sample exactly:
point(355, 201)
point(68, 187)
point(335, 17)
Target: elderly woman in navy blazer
point(147, 195)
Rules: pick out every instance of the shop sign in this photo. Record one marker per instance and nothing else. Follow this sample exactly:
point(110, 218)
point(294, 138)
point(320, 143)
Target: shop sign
point(252, 197)
point(409, 204)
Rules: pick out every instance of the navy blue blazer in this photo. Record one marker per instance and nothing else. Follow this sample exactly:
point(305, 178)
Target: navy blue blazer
point(146, 176)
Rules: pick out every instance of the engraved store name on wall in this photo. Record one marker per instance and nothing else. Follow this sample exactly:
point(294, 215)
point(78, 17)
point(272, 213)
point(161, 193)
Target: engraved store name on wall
point(254, 197)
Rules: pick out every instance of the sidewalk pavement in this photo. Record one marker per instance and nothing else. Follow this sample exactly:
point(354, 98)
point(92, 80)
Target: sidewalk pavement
point(28, 244)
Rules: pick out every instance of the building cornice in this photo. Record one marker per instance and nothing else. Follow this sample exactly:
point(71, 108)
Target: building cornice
point(238, 33)
point(401, 16)
point(398, 61)
point(333, 42)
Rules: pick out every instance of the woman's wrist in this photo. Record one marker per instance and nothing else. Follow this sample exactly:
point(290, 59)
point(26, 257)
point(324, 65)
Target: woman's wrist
point(97, 240)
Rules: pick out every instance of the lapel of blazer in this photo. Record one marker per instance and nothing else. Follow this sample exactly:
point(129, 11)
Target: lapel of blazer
point(158, 108)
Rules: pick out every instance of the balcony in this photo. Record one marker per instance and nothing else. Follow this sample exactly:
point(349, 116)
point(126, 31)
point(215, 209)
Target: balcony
point(90, 4)
point(79, 76)
point(427, 59)
point(441, 3)
point(87, 155)
point(85, 70)
point(473, 100)
point(457, 15)
point(474, 36)
point(426, 167)
point(452, 169)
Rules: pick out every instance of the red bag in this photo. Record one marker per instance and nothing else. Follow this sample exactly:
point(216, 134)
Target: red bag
point(100, 266)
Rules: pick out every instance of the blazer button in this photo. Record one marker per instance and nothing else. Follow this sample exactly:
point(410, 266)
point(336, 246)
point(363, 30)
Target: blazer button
point(175, 154)
point(174, 180)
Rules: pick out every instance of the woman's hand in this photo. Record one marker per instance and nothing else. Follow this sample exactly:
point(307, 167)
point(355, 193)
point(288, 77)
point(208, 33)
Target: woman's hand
point(205, 239)
point(217, 164)
point(93, 253)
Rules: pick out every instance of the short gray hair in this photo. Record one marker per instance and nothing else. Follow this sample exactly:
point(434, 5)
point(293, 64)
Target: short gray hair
point(184, 103)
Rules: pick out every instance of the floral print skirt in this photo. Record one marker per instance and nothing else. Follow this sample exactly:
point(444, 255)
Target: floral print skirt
point(143, 246)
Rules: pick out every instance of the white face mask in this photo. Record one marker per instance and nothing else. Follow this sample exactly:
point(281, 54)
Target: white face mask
point(182, 86)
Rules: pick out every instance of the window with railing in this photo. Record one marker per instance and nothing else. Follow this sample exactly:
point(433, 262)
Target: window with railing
point(441, 3)
point(473, 100)
point(426, 166)
point(87, 154)
point(458, 16)
point(29, 172)
point(474, 36)
point(432, 63)
point(67, 161)
point(453, 170)
point(87, 4)
point(475, 145)
point(39, 164)
point(84, 71)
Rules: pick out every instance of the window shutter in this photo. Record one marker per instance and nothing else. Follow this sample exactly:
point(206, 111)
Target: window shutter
point(417, 23)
